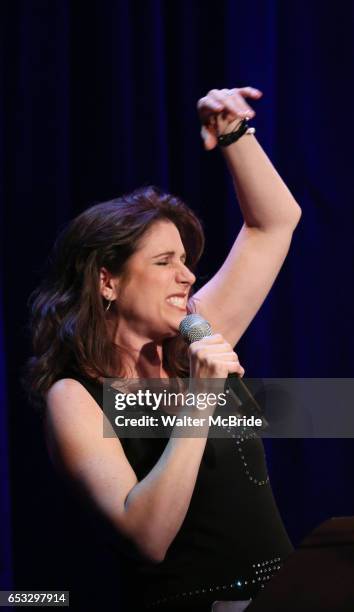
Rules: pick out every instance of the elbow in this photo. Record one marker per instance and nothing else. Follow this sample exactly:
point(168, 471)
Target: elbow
point(297, 214)
point(158, 556)
point(294, 216)
point(150, 546)
point(143, 547)
point(147, 542)
point(290, 221)
point(284, 221)
point(152, 553)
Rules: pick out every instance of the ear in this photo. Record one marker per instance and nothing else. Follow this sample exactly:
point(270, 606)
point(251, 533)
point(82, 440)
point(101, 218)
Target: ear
point(108, 285)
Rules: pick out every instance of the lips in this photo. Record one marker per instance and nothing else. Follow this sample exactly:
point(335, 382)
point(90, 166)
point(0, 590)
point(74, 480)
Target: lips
point(178, 300)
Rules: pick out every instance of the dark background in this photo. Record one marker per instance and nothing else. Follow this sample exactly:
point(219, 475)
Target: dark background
point(99, 97)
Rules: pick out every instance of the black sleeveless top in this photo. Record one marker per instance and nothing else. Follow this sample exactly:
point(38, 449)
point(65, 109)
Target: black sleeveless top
point(232, 539)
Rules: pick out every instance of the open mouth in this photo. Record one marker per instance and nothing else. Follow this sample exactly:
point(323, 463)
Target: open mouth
point(177, 302)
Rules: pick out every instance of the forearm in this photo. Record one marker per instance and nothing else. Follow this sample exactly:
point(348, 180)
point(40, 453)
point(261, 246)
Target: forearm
point(156, 507)
point(265, 201)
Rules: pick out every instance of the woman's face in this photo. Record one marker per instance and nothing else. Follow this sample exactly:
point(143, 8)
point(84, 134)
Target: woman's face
point(153, 290)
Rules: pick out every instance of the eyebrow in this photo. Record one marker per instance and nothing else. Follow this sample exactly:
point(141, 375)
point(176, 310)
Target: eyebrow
point(169, 253)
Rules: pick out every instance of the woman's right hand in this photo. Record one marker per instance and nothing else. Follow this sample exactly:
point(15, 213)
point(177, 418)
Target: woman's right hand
point(213, 357)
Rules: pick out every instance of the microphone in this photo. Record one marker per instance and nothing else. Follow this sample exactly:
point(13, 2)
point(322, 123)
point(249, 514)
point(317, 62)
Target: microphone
point(192, 328)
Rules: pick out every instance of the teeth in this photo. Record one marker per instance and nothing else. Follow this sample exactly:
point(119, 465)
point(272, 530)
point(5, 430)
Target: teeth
point(176, 301)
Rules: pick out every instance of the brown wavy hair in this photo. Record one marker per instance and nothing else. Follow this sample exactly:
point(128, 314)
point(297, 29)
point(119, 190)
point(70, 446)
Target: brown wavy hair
point(68, 320)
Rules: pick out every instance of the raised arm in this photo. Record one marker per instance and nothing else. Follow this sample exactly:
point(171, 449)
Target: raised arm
point(233, 296)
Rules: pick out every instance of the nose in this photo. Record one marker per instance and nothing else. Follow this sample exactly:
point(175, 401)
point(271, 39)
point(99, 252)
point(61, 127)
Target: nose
point(185, 275)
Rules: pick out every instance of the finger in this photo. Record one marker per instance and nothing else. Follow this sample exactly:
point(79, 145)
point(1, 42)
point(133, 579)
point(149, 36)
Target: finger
point(235, 103)
point(227, 358)
point(224, 367)
point(228, 101)
point(235, 367)
point(210, 105)
point(224, 355)
point(213, 339)
point(223, 349)
point(207, 107)
point(216, 354)
point(250, 92)
point(209, 138)
point(243, 108)
point(226, 98)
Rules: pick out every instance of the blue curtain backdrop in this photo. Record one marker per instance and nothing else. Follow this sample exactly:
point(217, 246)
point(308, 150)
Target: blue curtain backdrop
point(99, 97)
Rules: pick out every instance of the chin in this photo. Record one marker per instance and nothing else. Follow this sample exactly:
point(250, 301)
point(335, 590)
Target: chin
point(179, 317)
point(171, 323)
point(173, 328)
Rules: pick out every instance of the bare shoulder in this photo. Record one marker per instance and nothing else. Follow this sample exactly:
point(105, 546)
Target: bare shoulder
point(71, 413)
point(68, 396)
point(67, 387)
point(74, 433)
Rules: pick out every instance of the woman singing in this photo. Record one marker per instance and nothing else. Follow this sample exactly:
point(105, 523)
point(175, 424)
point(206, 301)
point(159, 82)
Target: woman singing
point(197, 515)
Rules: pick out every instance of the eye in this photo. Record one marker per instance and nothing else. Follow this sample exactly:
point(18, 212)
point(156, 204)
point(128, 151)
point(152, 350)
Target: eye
point(161, 263)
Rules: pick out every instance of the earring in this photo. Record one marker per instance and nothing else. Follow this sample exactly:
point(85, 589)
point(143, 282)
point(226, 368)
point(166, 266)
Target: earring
point(108, 305)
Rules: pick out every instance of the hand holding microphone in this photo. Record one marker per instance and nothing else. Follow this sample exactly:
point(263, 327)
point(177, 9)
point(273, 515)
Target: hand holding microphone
point(212, 357)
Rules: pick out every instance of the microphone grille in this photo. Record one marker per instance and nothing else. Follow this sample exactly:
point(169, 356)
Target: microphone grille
point(193, 327)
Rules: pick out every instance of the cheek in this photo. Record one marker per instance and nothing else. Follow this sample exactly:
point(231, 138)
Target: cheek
point(146, 292)
point(145, 297)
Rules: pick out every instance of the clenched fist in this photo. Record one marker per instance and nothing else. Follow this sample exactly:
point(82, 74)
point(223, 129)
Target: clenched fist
point(213, 357)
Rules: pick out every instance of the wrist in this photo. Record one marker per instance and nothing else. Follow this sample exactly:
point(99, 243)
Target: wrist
point(231, 127)
point(228, 138)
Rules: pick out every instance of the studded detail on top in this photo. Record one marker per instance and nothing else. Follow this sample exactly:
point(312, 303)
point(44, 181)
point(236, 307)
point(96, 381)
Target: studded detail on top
point(262, 571)
point(240, 438)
